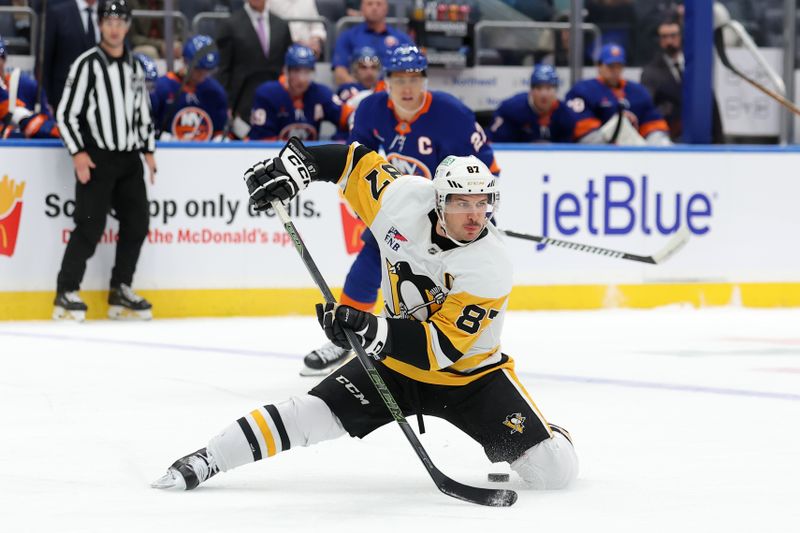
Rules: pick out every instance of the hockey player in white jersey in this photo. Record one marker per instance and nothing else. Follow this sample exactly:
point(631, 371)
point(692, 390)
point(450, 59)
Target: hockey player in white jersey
point(446, 279)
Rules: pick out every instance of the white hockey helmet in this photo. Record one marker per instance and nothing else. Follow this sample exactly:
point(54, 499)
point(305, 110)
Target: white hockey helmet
point(464, 175)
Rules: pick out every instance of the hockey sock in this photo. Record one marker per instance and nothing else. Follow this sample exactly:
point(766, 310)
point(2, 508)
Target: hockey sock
point(299, 421)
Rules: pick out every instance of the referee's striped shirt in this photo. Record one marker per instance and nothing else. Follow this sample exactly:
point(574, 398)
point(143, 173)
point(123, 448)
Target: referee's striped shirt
point(106, 105)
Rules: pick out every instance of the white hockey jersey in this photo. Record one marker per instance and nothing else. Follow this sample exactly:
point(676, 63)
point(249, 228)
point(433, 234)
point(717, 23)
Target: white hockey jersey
point(458, 295)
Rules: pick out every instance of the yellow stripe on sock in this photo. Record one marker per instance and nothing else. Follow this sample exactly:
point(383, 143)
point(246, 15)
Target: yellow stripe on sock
point(262, 424)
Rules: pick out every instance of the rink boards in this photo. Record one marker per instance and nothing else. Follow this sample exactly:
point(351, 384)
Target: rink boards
point(209, 255)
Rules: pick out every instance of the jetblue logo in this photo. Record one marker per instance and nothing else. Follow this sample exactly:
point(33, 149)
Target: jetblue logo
point(621, 205)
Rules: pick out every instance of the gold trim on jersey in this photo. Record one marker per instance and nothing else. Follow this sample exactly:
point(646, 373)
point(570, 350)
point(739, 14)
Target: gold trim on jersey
point(464, 317)
point(442, 377)
point(372, 175)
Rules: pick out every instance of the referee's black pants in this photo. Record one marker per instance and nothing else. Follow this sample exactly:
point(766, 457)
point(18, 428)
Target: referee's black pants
point(116, 182)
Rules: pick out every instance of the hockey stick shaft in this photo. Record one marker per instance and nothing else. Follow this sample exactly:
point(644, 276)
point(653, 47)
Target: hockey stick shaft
point(677, 242)
point(719, 44)
point(448, 486)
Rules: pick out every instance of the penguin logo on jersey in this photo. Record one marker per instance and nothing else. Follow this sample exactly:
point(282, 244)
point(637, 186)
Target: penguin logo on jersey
point(192, 124)
point(413, 295)
point(408, 166)
point(516, 422)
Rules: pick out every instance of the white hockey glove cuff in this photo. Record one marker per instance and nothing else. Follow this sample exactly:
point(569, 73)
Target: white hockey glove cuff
point(280, 178)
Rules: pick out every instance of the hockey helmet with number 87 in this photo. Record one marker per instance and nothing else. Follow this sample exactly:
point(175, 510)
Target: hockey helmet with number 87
point(464, 175)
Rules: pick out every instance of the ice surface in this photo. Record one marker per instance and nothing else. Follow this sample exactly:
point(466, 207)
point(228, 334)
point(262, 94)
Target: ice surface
point(683, 420)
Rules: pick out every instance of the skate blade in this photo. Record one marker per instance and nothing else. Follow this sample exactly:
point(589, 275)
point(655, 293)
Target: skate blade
point(118, 312)
point(59, 313)
point(307, 371)
point(171, 480)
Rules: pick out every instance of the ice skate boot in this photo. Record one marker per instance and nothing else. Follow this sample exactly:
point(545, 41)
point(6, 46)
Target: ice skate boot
point(188, 472)
point(325, 360)
point(124, 304)
point(69, 306)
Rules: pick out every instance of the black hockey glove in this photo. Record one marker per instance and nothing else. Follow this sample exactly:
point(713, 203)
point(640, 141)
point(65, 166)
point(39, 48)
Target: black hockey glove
point(280, 178)
point(370, 329)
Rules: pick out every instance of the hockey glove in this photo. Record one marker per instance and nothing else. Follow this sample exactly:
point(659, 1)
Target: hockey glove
point(370, 329)
point(280, 178)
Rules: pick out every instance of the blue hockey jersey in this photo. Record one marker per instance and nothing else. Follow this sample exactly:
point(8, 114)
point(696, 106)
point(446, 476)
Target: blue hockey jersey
point(30, 124)
point(196, 114)
point(443, 126)
point(595, 102)
point(276, 115)
point(516, 121)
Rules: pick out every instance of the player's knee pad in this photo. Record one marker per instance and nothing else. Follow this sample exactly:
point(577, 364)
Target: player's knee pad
point(551, 464)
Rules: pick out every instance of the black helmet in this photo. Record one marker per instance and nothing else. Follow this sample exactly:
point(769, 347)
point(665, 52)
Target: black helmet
point(114, 8)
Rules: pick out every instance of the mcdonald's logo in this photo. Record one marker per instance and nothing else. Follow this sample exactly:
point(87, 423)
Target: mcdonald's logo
point(10, 213)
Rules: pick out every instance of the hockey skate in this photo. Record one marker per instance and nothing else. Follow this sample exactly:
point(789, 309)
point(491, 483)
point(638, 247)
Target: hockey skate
point(124, 304)
point(188, 472)
point(69, 306)
point(325, 360)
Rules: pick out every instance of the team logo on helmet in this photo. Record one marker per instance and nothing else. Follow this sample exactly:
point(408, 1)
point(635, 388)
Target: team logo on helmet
point(516, 422)
point(192, 124)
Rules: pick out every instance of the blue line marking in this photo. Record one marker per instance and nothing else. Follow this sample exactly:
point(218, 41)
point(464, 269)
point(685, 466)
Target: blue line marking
point(626, 383)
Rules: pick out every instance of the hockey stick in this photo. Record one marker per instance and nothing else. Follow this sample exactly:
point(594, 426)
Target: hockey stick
point(719, 44)
point(481, 496)
point(677, 242)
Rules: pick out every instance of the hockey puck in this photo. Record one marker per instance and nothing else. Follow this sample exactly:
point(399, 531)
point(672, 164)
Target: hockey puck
point(496, 476)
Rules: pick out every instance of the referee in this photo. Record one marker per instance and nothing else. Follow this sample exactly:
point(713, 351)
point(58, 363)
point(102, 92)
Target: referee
point(104, 115)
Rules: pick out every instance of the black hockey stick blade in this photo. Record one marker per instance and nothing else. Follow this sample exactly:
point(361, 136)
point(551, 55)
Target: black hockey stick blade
point(481, 496)
point(677, 242)
point(477, 495)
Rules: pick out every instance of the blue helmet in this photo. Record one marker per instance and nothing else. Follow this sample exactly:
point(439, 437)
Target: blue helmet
point(299, 56)
point(366, 54)
point(2, 48)
point(149, 66)
point(210, 58)
point(406, 58)
point(544, 75)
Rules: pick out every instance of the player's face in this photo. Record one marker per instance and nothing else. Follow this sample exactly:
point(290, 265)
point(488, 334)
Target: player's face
point(465, 215)
point(611, 73)
point(366, 73)
point(407, 90)
point(543, 96)
point(298, 79)
point(374, 10)
point(2, 64)
point(199, 75)
point(113, 31)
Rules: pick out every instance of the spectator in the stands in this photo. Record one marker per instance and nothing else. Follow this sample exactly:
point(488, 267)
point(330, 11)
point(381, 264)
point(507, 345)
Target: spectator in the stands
point(310, 34)
point(71, 29)
point(252, 44)
point(663, 78)
point(366, 71)
point(147, 33)
point(535, 115)
point(373, 32)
